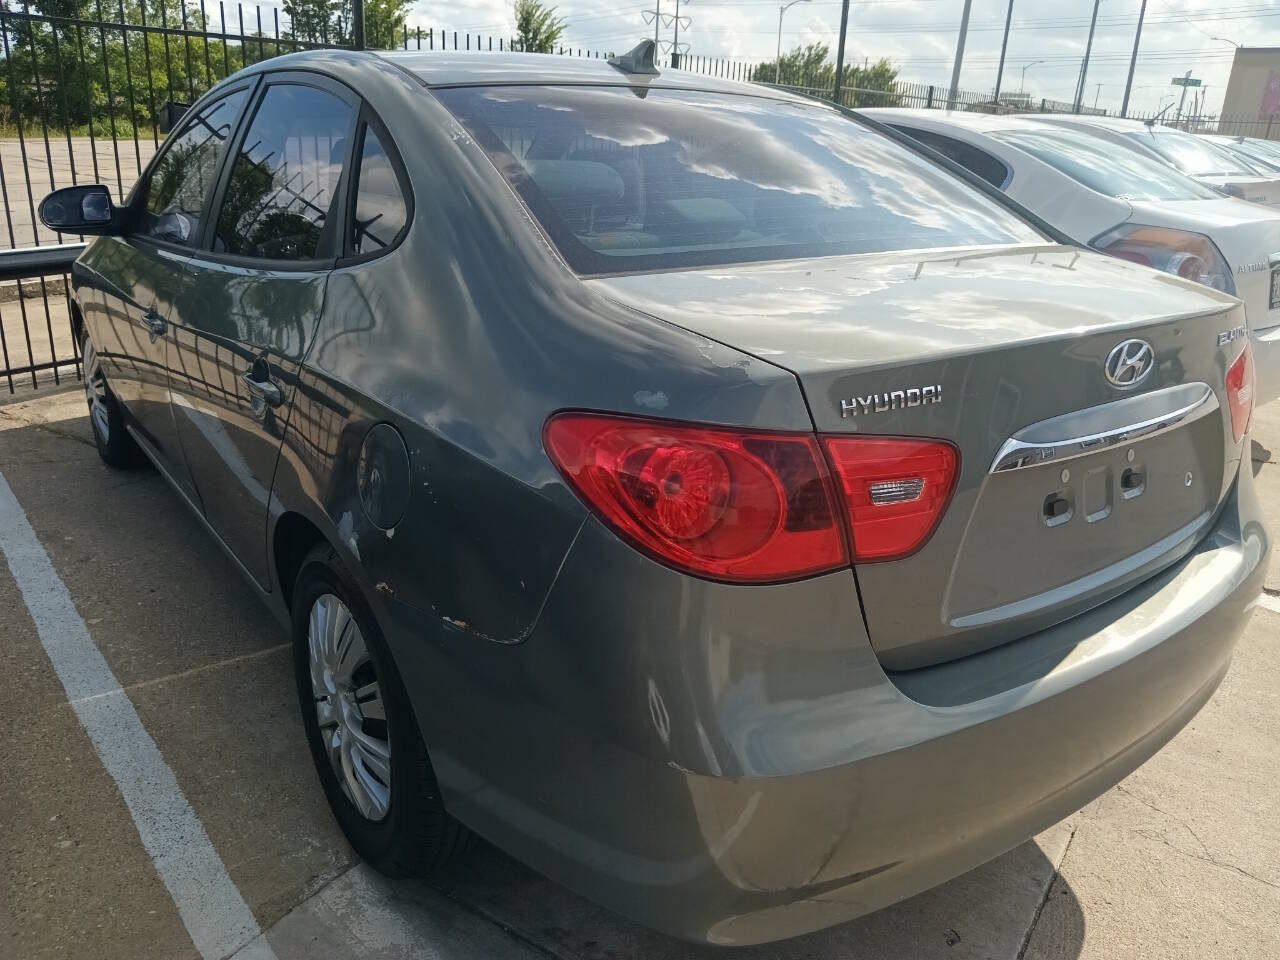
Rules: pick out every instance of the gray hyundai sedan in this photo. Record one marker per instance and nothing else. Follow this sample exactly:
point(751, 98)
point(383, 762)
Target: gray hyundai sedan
point(723, 506)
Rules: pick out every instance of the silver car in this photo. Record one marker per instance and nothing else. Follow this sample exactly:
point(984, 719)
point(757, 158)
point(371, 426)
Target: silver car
point(1125, 202)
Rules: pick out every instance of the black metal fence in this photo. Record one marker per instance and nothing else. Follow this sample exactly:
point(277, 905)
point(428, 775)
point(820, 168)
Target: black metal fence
point(81, 100)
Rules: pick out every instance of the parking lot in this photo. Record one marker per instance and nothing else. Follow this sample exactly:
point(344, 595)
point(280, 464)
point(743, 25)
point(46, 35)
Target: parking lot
point(158, 799)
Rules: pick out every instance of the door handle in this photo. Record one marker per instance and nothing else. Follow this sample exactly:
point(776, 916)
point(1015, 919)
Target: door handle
point(155, 324)
point(264, 389)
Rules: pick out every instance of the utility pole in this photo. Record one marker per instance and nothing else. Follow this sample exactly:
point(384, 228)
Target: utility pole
point(955, 71)
point(1088, 48)
point(1096, 93)
point(1008, 18)
point(844, 25)
point(675, 37)
point(357, 24)
point(1133, 61)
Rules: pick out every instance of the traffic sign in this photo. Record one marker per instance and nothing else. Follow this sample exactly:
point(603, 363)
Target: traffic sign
point(1185, 81)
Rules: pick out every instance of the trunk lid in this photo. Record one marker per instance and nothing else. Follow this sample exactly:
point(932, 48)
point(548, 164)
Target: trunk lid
point(1014, 342)
point(1264, 190)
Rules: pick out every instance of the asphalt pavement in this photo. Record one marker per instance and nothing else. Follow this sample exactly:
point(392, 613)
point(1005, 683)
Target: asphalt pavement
point(157, 799)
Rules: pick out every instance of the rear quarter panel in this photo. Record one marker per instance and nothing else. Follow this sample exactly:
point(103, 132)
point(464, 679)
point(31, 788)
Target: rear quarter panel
point(465, 338)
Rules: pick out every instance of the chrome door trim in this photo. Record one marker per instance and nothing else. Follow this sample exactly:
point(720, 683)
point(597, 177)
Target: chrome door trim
point(1021, 451)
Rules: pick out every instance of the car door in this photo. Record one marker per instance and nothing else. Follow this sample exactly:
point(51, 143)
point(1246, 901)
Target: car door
point(255, 291)
point(147, 275)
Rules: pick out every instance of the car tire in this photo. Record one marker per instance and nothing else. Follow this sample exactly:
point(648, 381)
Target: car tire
point(115, 444)
point(351, 709)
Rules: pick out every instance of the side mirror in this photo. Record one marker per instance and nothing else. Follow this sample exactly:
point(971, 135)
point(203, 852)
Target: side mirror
point(81, 210)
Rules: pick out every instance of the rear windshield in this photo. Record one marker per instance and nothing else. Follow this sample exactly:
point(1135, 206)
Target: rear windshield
point(627, 182)
point(1260, 152)
point(1196, 157)
point(1107, 167)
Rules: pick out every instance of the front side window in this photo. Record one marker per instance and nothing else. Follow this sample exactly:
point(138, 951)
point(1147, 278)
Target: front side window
point(671, 179)
point(380, 207)
point(1106, 167)
point(184, 173)
point(283, 182)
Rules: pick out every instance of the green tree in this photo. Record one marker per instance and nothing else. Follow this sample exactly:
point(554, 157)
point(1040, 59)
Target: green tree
point(329, 22)
point(538, 29)
point(810, 68)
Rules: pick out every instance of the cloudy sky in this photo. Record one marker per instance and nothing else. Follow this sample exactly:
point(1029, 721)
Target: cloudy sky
point(920, 37)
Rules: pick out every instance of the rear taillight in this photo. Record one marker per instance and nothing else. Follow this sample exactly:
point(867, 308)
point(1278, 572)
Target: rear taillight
point(895, 491)
point(752, 506)
point(1192, 256)
point(733, 505)
point(1240, 393)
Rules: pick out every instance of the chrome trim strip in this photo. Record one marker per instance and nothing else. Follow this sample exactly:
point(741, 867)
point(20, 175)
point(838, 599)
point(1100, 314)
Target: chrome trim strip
point(1018, 454)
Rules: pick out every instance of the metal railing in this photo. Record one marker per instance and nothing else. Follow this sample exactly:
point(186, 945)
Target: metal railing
point(82, 99)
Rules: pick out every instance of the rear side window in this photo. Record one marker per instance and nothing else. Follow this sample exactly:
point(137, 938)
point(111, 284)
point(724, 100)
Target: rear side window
point(974, 160)
point(1106, 167)
point(184, 173)
point(380, 211)
point(670, 178)
point(280, 193)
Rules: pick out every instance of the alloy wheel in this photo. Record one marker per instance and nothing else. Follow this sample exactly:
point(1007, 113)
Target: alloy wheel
point(95, 388)
point(349, 706)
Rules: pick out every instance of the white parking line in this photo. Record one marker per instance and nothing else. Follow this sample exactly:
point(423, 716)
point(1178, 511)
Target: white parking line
point(211, 907)
point(1268, 602)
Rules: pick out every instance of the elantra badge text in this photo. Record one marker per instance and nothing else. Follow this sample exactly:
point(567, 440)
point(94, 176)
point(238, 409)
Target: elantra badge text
point(893, 400)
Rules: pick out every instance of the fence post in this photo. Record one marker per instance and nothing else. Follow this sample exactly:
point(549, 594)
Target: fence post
point(928, 102)
point(357, 24)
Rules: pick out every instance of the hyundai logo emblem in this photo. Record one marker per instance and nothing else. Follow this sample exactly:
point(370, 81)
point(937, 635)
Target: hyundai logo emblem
point(1129, 363)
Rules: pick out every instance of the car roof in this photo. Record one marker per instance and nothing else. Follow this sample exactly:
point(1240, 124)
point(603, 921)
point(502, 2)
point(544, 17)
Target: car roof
point(1118, 124)
point(442, 68)
point(979, 122)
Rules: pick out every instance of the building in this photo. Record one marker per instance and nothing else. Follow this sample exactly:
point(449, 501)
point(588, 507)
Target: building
point(1253, 91)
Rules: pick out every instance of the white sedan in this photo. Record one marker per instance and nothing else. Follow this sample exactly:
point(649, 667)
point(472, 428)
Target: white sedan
point(1263, 154)
point(1123, 202)
point(1197, 158)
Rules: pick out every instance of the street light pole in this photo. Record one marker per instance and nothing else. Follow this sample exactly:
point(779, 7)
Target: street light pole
point(1133, 61)
point(1022, 87)
point(1008, 18)
point(1088, 49)
point(777, 63)
point(955, 71)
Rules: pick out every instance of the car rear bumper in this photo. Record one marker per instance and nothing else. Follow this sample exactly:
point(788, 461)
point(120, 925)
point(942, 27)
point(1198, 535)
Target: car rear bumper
point(732, 765)
point(1266, 364)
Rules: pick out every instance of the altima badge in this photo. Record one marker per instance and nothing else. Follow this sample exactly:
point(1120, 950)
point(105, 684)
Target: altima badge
point(893, 400)
point(1129, 363)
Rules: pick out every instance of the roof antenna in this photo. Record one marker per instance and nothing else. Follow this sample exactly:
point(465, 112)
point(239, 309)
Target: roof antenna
point(1152, 121)
point(639, 59)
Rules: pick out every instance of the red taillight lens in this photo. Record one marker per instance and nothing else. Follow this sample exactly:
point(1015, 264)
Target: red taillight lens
point(895, 491)
point(728, 504)
point(1191, 256)
point(1240, 393)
